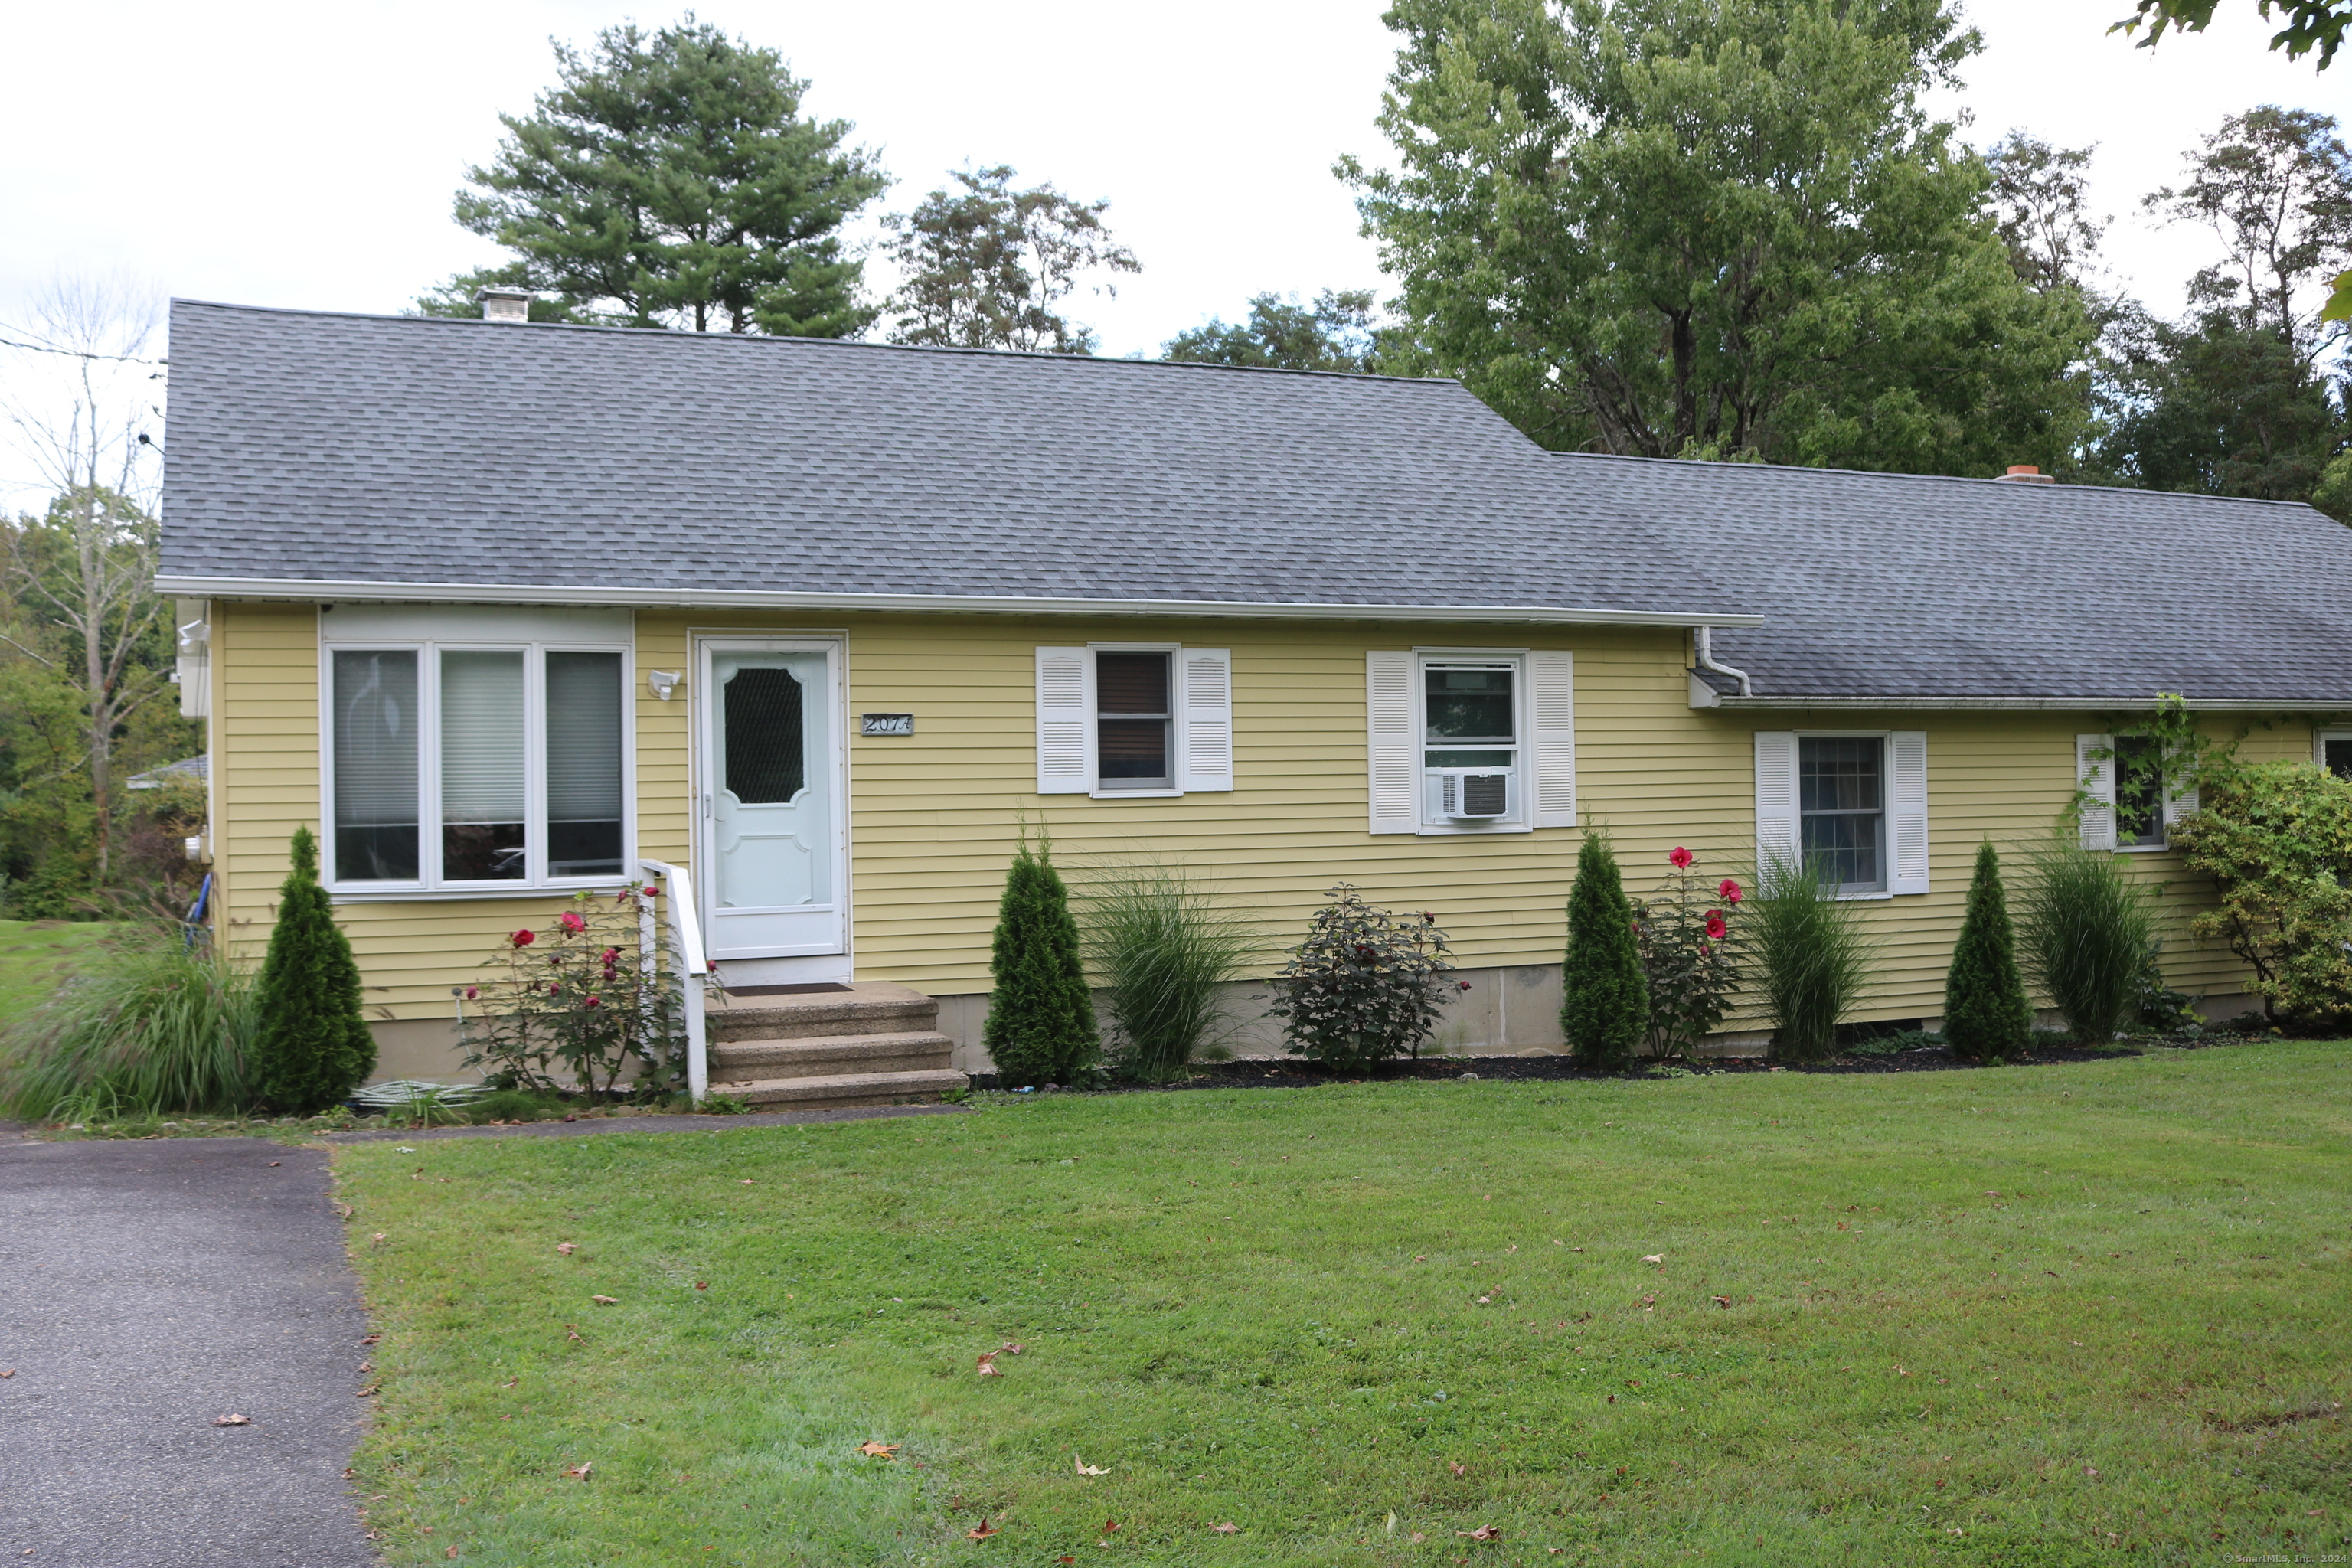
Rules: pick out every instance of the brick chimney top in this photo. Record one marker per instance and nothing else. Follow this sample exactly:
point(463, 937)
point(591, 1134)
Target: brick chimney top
point(2027, 474)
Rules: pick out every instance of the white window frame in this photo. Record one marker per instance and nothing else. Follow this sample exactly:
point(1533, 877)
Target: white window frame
point(1906, 825)
point(429, 636)
point(1183, 715)
point(1175, 784)
point(1886, 805)
point(2164, 812)
point(1523, 718)
point(2319, 739)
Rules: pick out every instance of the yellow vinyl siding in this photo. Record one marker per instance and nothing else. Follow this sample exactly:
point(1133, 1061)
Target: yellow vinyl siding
point(934, 816)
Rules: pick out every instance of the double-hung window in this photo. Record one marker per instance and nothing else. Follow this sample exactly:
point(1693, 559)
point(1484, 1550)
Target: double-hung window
point(1475, 740)
point(1470, 740)
point(1852, 807)
point(2124, 798)
point(1129, 719)
point(474, 753)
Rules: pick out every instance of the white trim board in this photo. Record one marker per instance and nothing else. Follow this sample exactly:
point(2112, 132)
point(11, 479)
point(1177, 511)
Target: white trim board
point(334, 592)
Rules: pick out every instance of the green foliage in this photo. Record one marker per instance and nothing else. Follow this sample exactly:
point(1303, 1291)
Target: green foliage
point(669, 178)
point(1364, 987)
point(148, 1025)
point(1987, 1017)
point(311, 1047)
point(1041, 1017)
point(2276, 839)
point(989, 266)
point(2084, 931)
point(2333, 494)
point(2310, 24)
point(1605, 1010)
point(574, 1006)
point(1336, 333)
point(1163, 949)
point(1662, 225)
point(1811, 956)
point(1688, 942)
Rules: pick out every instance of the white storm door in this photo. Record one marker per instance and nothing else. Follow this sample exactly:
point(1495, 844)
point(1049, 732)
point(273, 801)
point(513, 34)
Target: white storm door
point(771, 777)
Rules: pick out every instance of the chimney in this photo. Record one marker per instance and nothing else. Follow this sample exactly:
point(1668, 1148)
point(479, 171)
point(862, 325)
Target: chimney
point(505, 304)
point(2026, 474)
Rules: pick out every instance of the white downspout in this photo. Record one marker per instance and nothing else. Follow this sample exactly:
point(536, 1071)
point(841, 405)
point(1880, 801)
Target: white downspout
point(1706, 662)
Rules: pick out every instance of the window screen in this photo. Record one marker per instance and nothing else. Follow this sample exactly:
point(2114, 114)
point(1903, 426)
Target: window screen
point(1132, 721)
point(375, 765)
point(1841, 801)
point(583, 765)
point(766, 750)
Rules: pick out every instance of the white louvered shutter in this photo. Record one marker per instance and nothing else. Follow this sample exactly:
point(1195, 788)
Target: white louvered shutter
point(1065, 721)
point(1776, 801)
point(1906, 758)
point(1551, 688)
point(2095, 778)
point(1390, 741)
point(2178, 803)
point(1207, 718)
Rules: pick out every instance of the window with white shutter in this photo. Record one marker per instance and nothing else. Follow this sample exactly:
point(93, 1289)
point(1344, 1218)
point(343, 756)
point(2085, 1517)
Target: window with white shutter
point(1906, 756)
point(1205, 717)
point(2094, 776)
point(1392, 727)
point(1065, 721)
point(1551, 700)
point(1123, 720)
point(1776, 802)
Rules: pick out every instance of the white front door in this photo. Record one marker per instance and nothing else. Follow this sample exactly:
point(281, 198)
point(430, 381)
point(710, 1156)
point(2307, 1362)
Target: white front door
point(771, 775)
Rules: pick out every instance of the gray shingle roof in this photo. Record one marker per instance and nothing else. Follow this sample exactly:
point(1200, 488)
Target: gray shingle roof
point(343, 448)
point(1902, 586)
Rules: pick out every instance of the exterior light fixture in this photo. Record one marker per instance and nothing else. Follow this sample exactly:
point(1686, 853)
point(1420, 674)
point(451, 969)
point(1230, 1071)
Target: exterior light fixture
point(662, 682)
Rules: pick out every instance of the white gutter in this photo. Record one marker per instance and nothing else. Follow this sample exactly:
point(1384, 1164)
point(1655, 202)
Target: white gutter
point(320, 591)
point(1706, 662)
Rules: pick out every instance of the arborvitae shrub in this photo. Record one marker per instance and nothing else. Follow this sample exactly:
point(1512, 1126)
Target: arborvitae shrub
point(1041, 1020)
point(1604, 998)
point(313, 1047)
point(1986, 1015)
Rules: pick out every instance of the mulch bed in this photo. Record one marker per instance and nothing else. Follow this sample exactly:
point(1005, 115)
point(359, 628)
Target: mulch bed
point(1268, 1074)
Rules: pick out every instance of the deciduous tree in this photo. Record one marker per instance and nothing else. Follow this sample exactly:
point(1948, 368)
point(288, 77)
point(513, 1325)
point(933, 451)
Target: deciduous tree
point(988, 266)
point(1335, 332)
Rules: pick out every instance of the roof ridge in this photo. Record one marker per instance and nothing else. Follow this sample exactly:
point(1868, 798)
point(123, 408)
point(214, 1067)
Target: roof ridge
point(402, 318)
point(1722, 467)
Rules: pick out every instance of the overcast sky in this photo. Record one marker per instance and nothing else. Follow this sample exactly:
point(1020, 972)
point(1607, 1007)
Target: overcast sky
point(305, 154)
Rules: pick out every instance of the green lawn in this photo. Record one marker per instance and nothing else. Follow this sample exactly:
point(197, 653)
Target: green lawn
point(35, 955)
point(2031, 1316)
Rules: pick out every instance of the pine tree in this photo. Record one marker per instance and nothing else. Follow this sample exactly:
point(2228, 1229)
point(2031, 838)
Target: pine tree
point(313, 1047)
point(1605, 1001)
point(1041, 1017)
point(1986, 1015)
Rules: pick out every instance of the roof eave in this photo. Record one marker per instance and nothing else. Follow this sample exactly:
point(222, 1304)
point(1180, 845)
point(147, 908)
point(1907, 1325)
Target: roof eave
point(193, 586)
point(2018, 704)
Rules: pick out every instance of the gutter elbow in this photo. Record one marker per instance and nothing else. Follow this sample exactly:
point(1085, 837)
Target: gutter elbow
point(1706, 662)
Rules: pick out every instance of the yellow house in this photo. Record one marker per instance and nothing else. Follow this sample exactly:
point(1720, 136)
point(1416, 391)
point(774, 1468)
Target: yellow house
point(810, 629)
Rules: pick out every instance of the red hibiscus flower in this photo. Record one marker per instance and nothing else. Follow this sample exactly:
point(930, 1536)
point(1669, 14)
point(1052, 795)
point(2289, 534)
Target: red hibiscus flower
point(570, 922)
point(473, 993)
point(591, 1002)
point(1730, 890)
point(1680, 858)
point(523, 938)
point(1715, 926)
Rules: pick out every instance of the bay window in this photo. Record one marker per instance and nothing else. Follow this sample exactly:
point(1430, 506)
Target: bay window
point(461, 766)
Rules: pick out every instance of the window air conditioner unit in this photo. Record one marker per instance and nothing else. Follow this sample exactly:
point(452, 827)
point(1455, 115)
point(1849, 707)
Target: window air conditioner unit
point(1476, 797)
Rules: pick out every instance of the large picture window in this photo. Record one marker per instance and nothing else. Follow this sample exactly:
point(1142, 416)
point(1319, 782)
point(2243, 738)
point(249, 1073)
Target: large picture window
point(476, 768)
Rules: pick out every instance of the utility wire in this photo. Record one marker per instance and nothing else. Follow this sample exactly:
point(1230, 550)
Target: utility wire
point(71, 353)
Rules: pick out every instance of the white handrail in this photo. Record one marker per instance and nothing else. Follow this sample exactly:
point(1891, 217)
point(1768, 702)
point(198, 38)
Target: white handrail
point(693, 965)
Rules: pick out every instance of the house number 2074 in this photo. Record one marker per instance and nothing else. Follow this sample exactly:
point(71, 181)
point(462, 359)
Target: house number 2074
point(885, 723)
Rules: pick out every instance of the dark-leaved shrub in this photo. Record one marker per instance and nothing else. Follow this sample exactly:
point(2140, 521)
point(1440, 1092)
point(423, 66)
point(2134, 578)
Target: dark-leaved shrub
point(1364, 985)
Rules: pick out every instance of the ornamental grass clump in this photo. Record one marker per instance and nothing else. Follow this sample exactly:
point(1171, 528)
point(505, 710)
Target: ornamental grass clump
point(1604, 1011)
point(313, 1047)
point(1689, 951)
point(1987, 1017)
point(1163, 950)
point(1364, 985)
point(148, 1025)
point(1811, 959)
point(576, 1006)
point(2084, 933)
point(1041, 1017)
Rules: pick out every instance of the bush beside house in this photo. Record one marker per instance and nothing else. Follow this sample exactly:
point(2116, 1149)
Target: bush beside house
point(1041, 1018)
point(313, 1047)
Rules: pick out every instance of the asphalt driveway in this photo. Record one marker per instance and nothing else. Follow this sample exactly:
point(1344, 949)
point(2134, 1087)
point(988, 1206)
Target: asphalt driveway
point(145, 1289)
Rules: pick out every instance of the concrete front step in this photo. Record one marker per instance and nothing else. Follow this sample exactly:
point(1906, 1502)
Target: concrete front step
point(824, 1055)
point(868, 1007)
point(847, 1088)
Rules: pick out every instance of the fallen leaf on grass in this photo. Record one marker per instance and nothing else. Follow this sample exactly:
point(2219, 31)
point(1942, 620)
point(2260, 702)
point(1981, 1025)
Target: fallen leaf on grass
point(1484, 1532)
point(1110, 1527)
point(743, 1181)
point(580, 1471)
point(987, 1364)
point(232, 1420)
point(980, 1531)
point(1723, 1301)
point(376, 1240)
point(1085, 1470)
point(1013, 1347)
point(702, 1284)
point(1417, 1538)
point(605, 1300)
point(1457, 1469)
point(1229, 1527)
point(573, 1334)
point(567, 1247)
point(877, 1450)
point(368, 1392)
point(1655, 1257)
